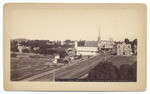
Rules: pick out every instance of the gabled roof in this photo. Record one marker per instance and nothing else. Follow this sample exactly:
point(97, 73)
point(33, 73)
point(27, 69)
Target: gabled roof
point(71, 49)
point(123, 43)
point(71, 54)
point(104, 40)
point(119, 42)
point(90, 44)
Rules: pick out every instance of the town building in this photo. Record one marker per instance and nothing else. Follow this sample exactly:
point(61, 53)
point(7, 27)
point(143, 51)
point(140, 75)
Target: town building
point(71, 53)
point(56, 57)
point(135, 49)
point(36, 48)
point(67, 42)
point(89, 48)
point(124, 49)
point(93, 47)
point(21, 48)
point(105, 44)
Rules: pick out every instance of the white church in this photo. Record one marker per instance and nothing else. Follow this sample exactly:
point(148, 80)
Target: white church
point(93, 47)
point(90, 48)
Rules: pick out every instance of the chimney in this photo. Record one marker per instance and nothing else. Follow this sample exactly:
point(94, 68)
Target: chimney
point(76, 43)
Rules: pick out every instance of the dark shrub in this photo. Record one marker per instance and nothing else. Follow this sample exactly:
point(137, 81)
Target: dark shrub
point(104, 71)
point(79, 57)
point(13, 54)
point(60, 60)
point(15, 74)
point(125, 72)
point(62, 54)
point(134, 71)
point(128, 72)
point(25, 50)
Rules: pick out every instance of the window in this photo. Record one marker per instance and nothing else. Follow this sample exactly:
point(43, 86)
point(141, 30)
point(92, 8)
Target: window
point(123, 53)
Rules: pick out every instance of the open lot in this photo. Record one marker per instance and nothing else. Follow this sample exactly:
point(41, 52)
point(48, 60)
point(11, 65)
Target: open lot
point(28, 64)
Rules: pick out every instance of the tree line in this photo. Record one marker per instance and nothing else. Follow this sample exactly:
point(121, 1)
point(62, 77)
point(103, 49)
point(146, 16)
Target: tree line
point(109, 72)
point(133, 43)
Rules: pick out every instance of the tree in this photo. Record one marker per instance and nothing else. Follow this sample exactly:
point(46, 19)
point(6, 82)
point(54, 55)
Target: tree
point(81, 43)
point(23, 43)
point(14, 47)
point(104, 71)
point(133, 44)
point(13, 54)
point(62, 54)
point(128, 72)
point(67, 41)
point(127, 41)
point(25, 50)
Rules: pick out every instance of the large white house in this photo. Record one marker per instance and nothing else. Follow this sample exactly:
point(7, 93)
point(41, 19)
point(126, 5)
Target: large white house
point(21, 48)
point(124, 49)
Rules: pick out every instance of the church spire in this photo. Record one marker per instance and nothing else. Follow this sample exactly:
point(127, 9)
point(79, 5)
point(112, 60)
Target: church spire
point(99, 38)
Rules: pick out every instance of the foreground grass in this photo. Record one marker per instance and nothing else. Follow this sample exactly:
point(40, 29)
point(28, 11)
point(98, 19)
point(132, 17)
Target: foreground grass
point(120, 60)
point(25, 66)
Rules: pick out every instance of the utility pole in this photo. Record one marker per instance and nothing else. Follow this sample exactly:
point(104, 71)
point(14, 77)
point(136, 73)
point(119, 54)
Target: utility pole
point(53, 76)
point(105, 55)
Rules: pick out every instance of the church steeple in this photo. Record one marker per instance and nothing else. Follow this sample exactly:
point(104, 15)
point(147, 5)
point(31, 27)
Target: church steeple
point(99, 38)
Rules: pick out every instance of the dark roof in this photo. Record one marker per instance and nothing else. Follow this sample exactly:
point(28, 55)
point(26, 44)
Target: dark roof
point(90, 44)
point(71, 49)
point(71, 54)
point(128, 43)
point(104, 40)
point(122, 42)
point(119, 42)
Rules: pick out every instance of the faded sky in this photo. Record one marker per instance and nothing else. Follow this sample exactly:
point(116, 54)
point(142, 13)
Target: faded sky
point(75, 23)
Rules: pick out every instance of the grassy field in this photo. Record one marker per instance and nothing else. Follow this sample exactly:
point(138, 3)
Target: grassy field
point(28, 64)
point(119, 60)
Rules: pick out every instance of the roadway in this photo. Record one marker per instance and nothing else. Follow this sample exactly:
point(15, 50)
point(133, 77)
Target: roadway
point(75, 70)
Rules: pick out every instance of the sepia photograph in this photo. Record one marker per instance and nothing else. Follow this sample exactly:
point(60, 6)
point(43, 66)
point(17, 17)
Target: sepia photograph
point(73, 42)
point(74, 60)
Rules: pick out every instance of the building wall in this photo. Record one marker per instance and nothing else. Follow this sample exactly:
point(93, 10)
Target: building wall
point(106, 44)
point(124, 49)
point(86, 53)
point(86, 50)
point(20, 48)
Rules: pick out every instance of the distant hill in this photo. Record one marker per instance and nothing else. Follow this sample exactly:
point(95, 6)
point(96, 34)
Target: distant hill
point(21, 39)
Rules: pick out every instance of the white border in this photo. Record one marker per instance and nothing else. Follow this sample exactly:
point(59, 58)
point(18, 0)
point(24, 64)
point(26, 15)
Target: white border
point(2, 2)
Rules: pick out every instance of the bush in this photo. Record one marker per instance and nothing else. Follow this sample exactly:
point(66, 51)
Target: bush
point(134, 71)
point(13, 54)
point(128, 72)
point(15, 74)
point(25, 50)
point(104, 71)
point(108, 71)
point(62, 54)
point(79, 57)
point(125, 72)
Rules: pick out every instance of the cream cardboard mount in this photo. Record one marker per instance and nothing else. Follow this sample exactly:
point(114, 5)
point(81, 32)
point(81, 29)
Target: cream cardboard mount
point(57, 21)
